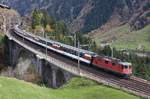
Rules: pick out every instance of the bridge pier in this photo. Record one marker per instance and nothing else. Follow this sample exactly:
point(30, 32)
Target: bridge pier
point(9, 57)
point(12, 52)
point(53, 76)
point(54, 82)
point(39, 64)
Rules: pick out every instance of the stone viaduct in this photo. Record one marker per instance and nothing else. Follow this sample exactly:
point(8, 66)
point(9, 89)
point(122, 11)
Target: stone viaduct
point(51, 74)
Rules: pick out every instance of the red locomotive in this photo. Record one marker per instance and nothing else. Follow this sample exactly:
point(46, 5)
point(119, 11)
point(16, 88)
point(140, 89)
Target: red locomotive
point(113, 65)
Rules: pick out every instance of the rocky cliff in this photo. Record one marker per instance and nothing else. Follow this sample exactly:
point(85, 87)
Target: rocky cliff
point(8, 17)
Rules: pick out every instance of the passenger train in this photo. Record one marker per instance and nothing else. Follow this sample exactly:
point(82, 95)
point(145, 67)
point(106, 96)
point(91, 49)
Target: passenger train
point(92, 59)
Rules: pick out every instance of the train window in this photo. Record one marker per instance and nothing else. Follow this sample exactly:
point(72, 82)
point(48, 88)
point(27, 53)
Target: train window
point(113, 64)
point(106, 62)
point(125, 67)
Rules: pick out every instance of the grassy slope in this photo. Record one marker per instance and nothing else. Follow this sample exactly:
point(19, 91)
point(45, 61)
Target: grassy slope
point(77, 89)
point(126, 39)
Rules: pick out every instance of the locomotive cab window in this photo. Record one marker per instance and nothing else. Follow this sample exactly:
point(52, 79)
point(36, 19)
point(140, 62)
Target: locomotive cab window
point(125, 66)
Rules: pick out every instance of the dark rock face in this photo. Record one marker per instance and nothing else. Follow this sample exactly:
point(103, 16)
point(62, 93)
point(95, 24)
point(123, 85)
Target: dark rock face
point(86, 15)
point(140, 14)
point(99, 15)
point(61, 9)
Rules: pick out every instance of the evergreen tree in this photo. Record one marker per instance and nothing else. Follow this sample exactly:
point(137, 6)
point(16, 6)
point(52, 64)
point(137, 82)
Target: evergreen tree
point(36, 18)
point(107, 51)
point(47, 20)
point(94, 47)
point(61, 28)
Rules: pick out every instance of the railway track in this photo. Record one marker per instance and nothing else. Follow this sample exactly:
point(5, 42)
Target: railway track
point(135, 84)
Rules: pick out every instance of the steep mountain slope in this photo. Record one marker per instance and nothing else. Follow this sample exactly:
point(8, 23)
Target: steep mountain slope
point(86, 15)
point(121, 37)
point(127, 28)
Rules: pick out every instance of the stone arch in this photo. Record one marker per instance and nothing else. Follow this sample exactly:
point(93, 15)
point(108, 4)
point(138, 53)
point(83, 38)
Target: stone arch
point(26, 66)
point(47, 75)
point(15, 52)
point(60, 78)
point(23, 53)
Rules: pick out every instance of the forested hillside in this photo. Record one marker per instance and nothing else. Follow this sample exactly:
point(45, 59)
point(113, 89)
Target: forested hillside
point(86, 15)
